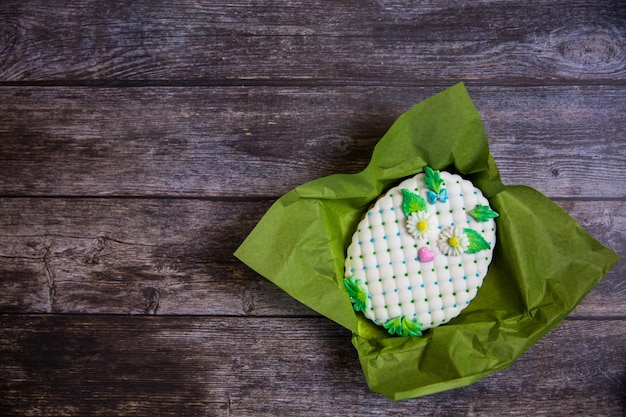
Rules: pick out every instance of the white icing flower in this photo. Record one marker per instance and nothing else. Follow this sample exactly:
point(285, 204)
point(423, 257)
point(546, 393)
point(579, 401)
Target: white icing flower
point(419, 224)
point(452, 241)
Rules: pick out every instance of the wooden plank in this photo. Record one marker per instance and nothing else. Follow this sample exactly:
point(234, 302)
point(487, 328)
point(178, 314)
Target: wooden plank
point(285, 40)
point(170, 256)
point(131, 257)
point(263, 141)
point(96, 365)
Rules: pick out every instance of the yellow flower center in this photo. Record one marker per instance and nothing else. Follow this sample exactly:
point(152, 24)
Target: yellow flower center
point(422, 225)
point(453, 242)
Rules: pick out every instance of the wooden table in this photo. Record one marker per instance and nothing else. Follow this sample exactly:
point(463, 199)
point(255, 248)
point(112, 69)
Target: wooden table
point(141, 141)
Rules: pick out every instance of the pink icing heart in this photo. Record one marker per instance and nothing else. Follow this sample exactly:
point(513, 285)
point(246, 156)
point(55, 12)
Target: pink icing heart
point(424, 254)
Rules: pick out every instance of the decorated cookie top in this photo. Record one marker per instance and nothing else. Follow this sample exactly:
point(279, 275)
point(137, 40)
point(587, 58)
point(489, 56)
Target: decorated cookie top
point(420, 253)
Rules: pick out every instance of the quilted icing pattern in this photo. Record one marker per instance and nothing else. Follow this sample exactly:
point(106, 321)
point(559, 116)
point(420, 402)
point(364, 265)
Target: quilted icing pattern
point(404, 276)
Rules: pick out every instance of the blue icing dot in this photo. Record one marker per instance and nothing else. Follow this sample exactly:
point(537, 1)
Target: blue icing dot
point(351, 269)
point(398, 234)
point(395, 290)
point(422, 285)
point(377, 266)
point(380, 211)
point(442, 308)
point(385, 237)
point(369, 213)
point(360, 243)
point(372, 240)
point(436, 283)
point(410, 288)
point(393, 209)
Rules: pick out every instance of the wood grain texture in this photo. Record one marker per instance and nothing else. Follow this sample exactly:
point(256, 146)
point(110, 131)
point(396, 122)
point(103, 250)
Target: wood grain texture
point(162, 256)
point(307, 367)
point(264, 141)
point(320, 41)
point(141, 141)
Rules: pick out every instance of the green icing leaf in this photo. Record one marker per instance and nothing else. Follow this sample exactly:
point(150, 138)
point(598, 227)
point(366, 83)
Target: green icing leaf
point(403, 326)
point(358, 295)
point(411, 327)
point(483, 213)
point(412, 202)
point(476, 241)
point(433, 179)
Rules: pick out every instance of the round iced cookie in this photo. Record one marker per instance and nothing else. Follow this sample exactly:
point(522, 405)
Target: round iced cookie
point(420, 253)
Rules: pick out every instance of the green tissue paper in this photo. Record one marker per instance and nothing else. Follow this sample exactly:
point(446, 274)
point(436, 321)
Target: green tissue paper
point(543, 266)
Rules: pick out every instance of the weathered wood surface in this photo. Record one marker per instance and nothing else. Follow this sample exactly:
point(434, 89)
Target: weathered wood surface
point(380, 41)
point(121, 256)
point(141, 141)
point(263, 141)
point(98, 365)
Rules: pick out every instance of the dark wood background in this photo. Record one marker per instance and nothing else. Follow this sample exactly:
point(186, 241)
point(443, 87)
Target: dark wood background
point(140, 141)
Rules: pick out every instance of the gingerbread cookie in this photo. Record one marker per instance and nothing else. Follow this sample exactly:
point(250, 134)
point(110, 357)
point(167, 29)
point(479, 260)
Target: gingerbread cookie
point(420, 253)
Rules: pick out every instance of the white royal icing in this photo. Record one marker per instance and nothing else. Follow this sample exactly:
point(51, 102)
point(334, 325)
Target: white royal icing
point(383, 256)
